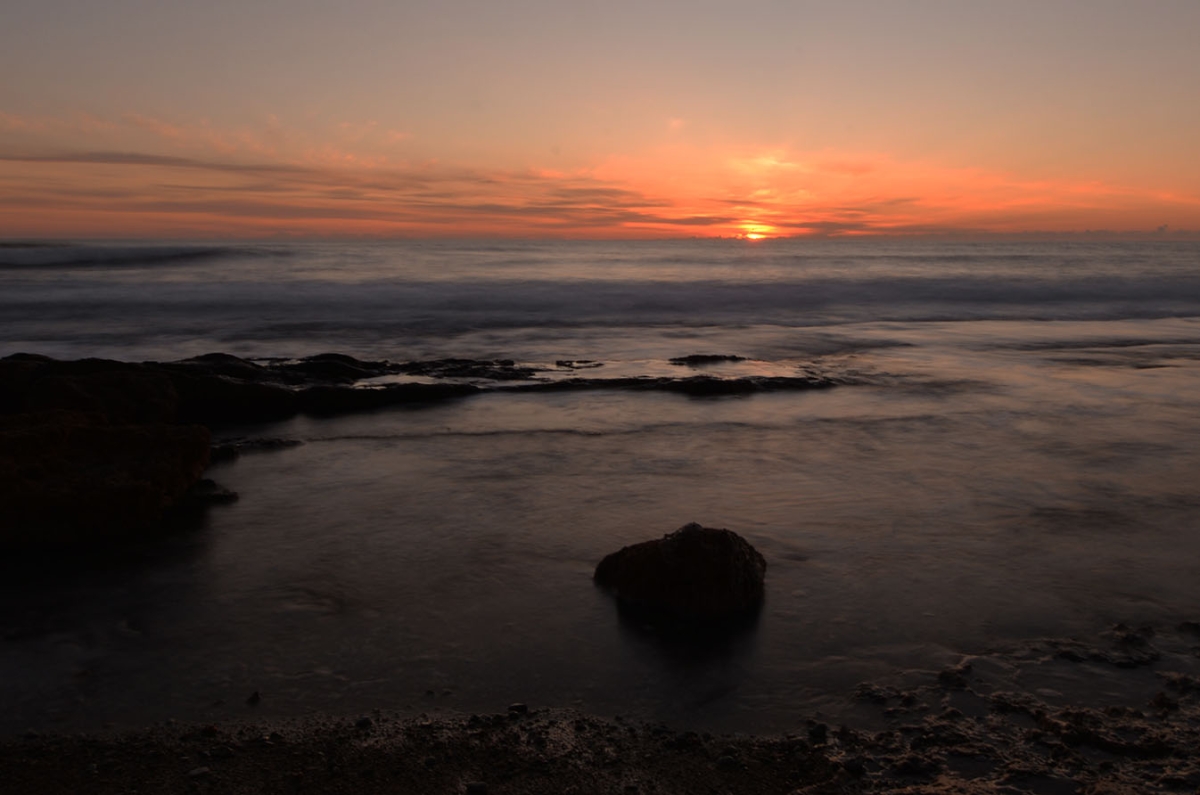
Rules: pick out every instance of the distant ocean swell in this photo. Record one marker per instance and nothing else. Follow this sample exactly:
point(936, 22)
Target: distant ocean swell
point(291, 299)
point(14, 256)
point(571, 302)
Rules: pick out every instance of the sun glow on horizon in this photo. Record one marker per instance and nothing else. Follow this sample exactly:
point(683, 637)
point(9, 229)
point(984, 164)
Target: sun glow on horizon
point(126, 176)
point(754, 230)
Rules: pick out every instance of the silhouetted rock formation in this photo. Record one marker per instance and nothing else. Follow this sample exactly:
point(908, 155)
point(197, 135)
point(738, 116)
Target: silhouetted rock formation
point(701, 359)
point(68, 476)
point(698, 574)
point(221, 389)
point(122, 392)
point(693, 385)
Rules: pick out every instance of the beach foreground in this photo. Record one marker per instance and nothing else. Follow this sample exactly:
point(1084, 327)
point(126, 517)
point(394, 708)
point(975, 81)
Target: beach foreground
point(1002, 743)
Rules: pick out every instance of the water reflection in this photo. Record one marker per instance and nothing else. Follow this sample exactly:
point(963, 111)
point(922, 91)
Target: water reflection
point(450, 549)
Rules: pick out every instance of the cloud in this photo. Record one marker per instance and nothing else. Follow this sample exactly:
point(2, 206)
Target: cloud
point(144, 176)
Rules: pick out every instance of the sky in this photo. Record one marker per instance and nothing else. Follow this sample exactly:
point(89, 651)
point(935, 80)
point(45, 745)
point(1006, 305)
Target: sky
point(546, 118)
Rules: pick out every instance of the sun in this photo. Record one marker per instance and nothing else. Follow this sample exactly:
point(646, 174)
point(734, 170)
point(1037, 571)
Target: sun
point(753, 230)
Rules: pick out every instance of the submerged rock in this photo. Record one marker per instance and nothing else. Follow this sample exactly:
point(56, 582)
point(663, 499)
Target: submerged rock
point(698, 574)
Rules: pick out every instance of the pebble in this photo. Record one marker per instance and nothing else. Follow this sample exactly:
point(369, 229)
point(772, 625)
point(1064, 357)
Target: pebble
point(198, 772)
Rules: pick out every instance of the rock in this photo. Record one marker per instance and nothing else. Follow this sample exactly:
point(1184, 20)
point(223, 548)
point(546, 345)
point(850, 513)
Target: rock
point(334, 368)
point(697, 574)
point(69, 477)
point(254, 699)
point(232, 449)
point(490, 369)
point(324, 401)
point(208, 492)
point(216, 399)
point(476, 788)
point(701, 359)
point(125, 393)
point(518, 709)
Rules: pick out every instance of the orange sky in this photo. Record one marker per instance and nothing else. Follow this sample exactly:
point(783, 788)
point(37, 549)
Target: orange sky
point(639, 120)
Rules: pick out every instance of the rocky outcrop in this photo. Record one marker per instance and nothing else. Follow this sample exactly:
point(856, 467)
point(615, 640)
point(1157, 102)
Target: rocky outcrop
point(68, 477)
point(120, 391)
point(696, 574)
point(218, 389)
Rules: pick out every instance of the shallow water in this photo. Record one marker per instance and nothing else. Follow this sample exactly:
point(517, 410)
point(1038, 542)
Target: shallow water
point(978, 481)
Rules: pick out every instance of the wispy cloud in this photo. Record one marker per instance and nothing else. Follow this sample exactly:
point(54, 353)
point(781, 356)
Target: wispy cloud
point(141, 175)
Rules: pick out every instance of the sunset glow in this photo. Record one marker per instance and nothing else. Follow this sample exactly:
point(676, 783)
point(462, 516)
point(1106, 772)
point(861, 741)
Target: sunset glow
point(565, 140)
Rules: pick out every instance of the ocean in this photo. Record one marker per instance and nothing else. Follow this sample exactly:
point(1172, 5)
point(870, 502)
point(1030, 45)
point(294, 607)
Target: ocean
point(1009, 460)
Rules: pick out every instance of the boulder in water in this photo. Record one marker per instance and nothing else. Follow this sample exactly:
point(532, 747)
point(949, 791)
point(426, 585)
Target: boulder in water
point(697, 574)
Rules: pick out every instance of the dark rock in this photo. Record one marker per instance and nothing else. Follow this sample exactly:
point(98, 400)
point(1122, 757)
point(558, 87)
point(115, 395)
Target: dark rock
point(955, 677)
point(231, 449)
point(871, 692)
point(216, 399)
point(335, 367)
point(701, 359)
point(518, 709)
point(855, 766)
point(729, 762)
point(490, 369)
point(329, 400)
point(693, 386)
point(68, 477)
point(476, 788)
point(363, 723)
point(1192, 627)
point(224, 364)
point(254, 698)
point(696, 573)
point(917, 766)
point(209, 492)
point(124, 393)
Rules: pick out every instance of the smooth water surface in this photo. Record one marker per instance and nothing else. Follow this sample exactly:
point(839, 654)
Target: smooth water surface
point(1014, 454)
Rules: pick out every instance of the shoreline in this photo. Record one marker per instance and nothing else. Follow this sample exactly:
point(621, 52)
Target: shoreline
point(982, 726)
point(1002, 743)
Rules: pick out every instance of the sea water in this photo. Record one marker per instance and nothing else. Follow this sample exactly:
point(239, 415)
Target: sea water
point(1013, 452)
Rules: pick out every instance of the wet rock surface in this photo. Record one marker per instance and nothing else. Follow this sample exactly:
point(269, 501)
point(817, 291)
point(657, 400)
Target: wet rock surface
point(696, 574)
point(70, 477)
point(219, 389)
